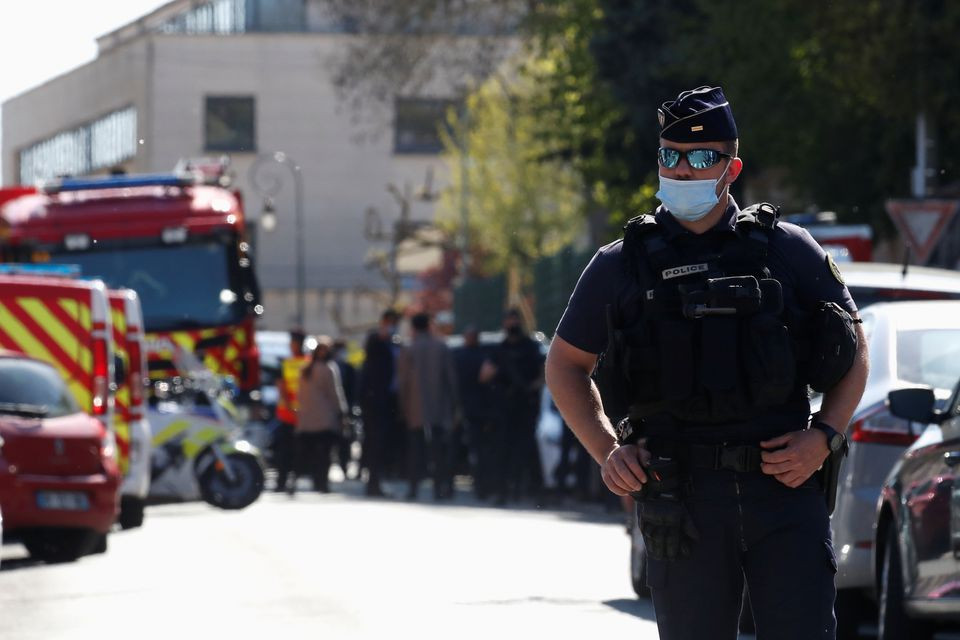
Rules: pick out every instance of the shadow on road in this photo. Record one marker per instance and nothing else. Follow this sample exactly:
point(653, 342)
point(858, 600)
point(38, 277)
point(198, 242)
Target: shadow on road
point(633, 606)
point(14, 564)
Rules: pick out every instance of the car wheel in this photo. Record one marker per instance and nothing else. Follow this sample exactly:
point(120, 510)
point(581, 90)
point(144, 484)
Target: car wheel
point(131, 512)
point(638, 564)
point(893, 623)
point(60, 545)
point(100, 546)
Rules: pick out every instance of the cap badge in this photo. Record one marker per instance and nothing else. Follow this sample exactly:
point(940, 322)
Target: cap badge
point(699, 127)
point(661, 117)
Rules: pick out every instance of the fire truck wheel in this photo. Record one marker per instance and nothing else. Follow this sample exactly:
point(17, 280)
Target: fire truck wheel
point(218, 489)
point(131, 512)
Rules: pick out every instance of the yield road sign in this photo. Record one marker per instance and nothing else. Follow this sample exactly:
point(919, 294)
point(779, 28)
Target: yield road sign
point(922, 223)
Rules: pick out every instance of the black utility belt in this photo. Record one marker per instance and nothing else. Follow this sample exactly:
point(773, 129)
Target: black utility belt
point(743, 458)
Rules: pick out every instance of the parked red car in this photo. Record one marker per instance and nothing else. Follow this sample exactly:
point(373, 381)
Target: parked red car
point(58, 472)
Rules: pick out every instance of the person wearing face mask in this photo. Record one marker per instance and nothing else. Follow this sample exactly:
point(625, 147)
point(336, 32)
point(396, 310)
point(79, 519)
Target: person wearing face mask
point(378, 398)
point(517, 379)
point(683, 363)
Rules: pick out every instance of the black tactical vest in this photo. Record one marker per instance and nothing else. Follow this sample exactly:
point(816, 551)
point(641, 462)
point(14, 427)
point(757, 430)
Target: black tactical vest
point(712, 343)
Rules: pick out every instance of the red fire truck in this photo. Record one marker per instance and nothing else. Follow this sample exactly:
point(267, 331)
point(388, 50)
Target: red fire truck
point(178, 240)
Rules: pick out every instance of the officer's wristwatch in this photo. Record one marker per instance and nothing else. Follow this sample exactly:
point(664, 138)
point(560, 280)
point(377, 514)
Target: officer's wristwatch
point(626, 433)
point(836, 441)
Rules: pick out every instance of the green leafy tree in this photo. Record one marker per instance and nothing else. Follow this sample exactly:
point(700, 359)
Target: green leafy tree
point(522, 200)
point(824, 93)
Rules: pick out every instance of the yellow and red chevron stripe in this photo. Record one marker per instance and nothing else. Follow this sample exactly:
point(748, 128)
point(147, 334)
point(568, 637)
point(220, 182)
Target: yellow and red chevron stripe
point(56, 330)
point(121, 403)
point(224, 359)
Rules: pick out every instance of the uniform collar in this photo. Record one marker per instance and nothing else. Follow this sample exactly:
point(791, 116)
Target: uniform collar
point(674, 229)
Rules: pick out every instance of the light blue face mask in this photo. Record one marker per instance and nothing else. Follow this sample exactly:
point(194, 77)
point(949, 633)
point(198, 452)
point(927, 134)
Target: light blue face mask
point(689, 200)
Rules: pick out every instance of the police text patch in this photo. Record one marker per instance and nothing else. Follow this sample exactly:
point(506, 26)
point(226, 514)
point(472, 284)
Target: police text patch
point(686, 270)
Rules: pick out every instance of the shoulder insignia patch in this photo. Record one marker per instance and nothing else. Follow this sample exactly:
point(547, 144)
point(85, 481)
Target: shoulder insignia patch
point(834, 269)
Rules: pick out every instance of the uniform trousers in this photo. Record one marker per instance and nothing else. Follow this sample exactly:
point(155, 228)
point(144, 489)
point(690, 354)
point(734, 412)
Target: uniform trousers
point(435, 442)
point(284, 453)
point(751, 528)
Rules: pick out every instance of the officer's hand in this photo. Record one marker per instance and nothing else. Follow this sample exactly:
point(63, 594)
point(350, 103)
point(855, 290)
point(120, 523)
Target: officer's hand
point(622, 471)
point(801, 454)
point(488, 371)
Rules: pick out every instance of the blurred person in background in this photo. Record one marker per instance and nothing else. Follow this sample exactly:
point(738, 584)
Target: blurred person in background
point(284, 441)
point(322, 411)
point(427, 384)
point(378, 397)
point(476, 398)
point(348, 378)
point(517, 381)
point(575, 461)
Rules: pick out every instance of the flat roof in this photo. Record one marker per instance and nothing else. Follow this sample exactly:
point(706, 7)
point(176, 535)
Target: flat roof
point(142, 25)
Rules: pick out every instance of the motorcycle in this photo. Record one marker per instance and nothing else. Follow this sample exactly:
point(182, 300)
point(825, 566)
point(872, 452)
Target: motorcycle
point(198, 448)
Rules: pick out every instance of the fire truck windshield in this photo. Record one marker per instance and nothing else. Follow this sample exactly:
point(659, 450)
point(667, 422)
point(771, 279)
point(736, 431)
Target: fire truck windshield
point(183, 286)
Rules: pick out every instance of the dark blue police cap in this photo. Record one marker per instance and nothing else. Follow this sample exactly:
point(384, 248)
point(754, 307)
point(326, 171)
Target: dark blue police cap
point(700, 115)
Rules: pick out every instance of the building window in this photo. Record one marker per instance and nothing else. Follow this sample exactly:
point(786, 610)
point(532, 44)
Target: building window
point(417, 124)
point(221, 17)
point(225, 17)
point(102, 143)
point(276, 15)
point(229, 124)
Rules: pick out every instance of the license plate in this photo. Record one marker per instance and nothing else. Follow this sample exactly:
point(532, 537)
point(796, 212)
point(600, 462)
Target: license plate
point(63, 500)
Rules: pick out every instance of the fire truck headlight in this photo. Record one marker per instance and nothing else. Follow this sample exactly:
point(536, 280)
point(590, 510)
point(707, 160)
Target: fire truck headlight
point(76, 242)
point(174, 235)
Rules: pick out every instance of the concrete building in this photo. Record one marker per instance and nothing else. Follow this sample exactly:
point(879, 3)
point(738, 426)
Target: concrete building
point(246, 78)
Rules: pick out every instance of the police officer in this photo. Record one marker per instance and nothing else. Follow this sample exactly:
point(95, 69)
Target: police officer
point(284, 440)
point(712, 323)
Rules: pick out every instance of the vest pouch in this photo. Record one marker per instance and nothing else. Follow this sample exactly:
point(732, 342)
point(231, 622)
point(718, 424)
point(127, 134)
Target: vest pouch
point(769, 365)
point(719, 355)
point(678, 358)
point(771, 296)
point(834, 346)
point(642, 367)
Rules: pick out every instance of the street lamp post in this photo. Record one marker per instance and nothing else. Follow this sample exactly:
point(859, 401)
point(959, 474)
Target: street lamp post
point(267, 184)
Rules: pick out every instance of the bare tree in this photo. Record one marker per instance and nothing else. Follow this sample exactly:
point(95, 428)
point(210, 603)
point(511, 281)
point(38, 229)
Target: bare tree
point(419, 47)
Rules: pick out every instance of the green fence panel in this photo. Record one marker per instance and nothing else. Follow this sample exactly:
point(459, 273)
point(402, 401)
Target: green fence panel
point(554, 279)
point(480, 302)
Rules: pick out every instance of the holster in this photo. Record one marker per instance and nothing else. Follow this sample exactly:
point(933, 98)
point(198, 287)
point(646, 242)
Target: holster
point(664, 481)
point(830, 478)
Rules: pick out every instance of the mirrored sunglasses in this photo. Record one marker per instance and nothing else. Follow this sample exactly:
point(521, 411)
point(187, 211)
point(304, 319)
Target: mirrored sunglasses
point(696, 158)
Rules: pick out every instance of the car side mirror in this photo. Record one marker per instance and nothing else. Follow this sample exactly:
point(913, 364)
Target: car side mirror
point(915, 404)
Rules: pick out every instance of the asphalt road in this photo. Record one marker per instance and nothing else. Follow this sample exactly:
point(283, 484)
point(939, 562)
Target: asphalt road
point(336, 566)
point(339, 566)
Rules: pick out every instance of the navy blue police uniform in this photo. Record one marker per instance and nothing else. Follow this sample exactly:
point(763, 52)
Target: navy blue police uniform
point(747, 525)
